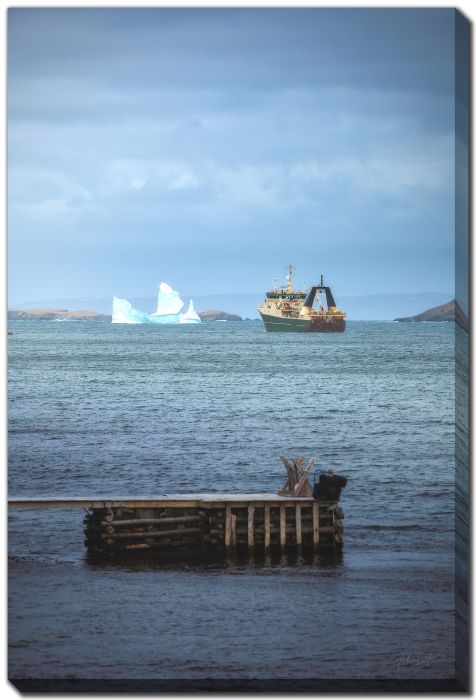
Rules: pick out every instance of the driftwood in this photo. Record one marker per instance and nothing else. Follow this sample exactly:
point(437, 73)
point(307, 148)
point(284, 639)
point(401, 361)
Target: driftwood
point(297, 483)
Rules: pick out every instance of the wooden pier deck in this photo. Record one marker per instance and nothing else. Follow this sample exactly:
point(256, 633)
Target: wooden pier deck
point(211, 522)
point(210, 500)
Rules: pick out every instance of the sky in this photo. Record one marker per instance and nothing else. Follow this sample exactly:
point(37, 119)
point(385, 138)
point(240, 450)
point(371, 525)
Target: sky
point(209, 147)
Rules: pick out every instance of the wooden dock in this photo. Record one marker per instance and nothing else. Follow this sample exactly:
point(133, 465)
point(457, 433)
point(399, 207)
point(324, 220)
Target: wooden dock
point(209, 522)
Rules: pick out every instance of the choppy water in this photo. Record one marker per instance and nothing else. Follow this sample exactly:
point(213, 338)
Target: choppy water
point(99, 409)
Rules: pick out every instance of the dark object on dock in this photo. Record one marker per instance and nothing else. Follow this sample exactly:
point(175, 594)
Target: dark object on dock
point(329, 486)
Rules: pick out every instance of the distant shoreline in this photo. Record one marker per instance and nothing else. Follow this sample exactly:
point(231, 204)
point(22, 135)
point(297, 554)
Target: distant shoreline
point(47, 314)
point(42, 314)
point(440, 314)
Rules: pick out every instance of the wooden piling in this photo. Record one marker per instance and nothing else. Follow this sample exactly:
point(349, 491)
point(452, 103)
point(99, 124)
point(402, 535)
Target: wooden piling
point(282, 526)
point(315, 525)
point(251, 527)
point(227, 527)
point(267, 534)
point(233, 532)
point(298, 526)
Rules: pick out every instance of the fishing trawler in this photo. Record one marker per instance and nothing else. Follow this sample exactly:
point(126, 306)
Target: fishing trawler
point(289, 309)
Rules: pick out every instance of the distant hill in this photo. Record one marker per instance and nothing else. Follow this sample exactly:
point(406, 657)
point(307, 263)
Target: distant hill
point(218, 316)
point(445, 312)
point(49, 314)
point(55, 315)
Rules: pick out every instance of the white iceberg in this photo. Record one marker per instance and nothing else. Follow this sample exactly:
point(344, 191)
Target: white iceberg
point(169, 307)
point(190, 316)
point(123, 312)
point(169, 302)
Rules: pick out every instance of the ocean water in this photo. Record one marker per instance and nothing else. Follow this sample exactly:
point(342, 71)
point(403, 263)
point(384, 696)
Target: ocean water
point(97, 409)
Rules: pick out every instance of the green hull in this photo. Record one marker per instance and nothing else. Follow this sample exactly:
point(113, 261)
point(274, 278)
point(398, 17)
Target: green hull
point(301, 325)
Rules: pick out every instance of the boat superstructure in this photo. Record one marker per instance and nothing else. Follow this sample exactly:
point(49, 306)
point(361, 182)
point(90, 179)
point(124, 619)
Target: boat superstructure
point(289, 309)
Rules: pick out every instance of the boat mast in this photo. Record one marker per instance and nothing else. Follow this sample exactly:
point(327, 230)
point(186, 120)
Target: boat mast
point(289, 278)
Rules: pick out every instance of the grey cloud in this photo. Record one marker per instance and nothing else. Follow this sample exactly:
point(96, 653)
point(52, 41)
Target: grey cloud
point(250, 47)
point(139, 134)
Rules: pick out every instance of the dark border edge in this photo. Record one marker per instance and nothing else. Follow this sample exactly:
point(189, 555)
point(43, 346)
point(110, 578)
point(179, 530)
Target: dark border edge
point(463, 221)
point(235, 685)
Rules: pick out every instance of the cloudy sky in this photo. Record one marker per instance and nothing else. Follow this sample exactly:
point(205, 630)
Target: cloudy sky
point(208, 148)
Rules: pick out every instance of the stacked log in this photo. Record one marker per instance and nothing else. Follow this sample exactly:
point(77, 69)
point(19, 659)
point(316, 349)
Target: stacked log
point(112, 530)
point(216, 529)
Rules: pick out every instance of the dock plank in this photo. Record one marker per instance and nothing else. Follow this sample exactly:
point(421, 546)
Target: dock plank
point(210, 500)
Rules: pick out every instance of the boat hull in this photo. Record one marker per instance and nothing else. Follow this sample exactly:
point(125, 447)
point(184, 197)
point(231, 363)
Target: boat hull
point(317, 324)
